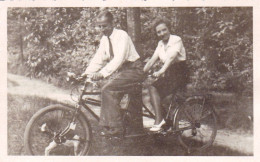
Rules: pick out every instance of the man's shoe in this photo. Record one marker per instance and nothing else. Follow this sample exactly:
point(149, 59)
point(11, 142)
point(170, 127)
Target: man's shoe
point(156, 128)
point(114, 131)
point(104, 132)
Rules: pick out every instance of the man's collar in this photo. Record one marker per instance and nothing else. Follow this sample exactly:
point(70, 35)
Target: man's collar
point(113, 33)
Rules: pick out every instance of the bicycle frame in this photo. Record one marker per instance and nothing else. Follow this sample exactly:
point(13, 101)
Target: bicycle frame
point(84, 102)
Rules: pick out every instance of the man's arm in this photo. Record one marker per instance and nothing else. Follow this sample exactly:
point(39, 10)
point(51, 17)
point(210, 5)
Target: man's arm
point(119, 58)
point(97, 61)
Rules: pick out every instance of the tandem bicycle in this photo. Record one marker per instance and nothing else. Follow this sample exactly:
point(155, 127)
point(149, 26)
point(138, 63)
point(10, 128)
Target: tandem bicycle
point(60, 127)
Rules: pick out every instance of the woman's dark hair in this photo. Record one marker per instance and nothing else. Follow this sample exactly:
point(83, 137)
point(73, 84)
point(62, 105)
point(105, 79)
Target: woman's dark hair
point(159, 21)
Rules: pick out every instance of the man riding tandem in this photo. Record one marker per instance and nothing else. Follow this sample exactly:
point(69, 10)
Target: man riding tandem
point(117, 59)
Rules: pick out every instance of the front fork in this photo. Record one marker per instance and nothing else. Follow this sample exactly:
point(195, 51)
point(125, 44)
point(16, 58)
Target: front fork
point(60, 136)
point(70, 127)
point(194, 124)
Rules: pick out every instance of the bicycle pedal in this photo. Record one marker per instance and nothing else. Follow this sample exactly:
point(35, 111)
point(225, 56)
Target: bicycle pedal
point(164, 133)
point(135, 135)
point(115, 137)
point(154, 132)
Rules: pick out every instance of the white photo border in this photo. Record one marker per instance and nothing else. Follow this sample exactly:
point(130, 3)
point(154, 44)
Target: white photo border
point(127, 3)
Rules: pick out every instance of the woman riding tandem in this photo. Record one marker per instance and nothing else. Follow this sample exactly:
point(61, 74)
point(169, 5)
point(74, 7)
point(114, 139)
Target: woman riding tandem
point(172, 76)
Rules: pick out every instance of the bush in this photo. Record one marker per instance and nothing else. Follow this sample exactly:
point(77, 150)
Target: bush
point(218, 41)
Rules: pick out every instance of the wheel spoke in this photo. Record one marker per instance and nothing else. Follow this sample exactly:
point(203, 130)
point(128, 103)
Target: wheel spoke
point(44, 134)
point(202, 124)
point(189, 116)
point(203, 116)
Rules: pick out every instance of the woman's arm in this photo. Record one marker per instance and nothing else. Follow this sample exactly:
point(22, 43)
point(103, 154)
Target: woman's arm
point(165, 66)
point(150, 63)
point(171, 53)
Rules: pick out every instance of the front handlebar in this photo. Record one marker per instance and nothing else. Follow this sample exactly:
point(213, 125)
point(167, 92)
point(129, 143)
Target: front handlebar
point(71, 77)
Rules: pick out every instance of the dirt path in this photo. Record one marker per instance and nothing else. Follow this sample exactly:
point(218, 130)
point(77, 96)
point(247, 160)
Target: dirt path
point(19, 85)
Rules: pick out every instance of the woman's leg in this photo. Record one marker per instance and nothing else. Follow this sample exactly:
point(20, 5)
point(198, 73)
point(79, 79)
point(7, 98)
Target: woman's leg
point(156, 103)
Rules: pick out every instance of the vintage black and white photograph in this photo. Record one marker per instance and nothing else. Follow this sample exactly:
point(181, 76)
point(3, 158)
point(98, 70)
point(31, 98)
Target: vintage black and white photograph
point(130, 81)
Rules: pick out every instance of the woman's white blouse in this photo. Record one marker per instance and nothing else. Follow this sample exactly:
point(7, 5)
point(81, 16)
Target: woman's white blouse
point(174, 45)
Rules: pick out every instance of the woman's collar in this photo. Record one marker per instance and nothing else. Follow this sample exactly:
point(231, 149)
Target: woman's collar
point(169, 43)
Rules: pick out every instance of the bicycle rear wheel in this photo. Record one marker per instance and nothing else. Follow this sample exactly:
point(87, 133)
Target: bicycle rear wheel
point(196, 126)
point(51, 120)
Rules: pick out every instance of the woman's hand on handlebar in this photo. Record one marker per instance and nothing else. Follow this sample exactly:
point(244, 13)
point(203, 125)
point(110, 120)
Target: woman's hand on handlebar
point(150, 79)
point(150, 75)
point(158, 74)
point(155, 75)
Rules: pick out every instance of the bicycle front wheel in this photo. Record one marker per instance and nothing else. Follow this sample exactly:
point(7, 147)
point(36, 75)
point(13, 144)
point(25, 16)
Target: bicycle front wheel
point(44, 126)
point(196, 126)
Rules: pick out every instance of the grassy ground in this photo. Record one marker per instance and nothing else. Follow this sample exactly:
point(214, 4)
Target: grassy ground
point(20, 110)
point(234, 112)
point(232, 116)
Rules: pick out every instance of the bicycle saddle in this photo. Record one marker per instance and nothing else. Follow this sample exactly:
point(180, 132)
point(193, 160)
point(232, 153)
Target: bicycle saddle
point(136, 88)
point(188, 97)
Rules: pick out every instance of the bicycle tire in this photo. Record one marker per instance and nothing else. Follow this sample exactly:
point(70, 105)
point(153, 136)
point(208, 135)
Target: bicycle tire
point(58, 112)
point(189, 138)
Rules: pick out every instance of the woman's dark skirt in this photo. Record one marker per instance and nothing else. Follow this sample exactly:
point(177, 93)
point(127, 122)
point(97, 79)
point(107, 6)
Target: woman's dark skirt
point(175, 79)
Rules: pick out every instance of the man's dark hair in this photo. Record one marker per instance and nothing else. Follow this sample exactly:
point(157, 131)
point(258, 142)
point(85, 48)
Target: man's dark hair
point(159, 21)
point(106, 14)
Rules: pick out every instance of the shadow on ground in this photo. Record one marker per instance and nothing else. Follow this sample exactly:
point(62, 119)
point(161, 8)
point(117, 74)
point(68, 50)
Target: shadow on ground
point(151, 145)
point(21, 108)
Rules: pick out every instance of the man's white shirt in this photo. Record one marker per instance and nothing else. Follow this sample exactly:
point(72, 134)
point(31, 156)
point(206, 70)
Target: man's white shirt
point(123, 49)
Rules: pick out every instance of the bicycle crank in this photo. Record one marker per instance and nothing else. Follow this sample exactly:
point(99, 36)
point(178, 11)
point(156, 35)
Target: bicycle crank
point(197, 125)
point(194, 132)
point(74, 142)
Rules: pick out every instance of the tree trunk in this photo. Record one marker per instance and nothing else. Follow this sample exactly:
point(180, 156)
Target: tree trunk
point(134, 126)
point(134, 27)
point(21, 40)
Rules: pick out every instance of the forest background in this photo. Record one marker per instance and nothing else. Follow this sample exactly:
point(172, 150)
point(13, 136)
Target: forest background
point(46, 43)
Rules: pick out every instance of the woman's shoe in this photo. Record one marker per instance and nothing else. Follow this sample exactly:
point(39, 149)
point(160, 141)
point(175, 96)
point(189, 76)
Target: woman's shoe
point(158, 127)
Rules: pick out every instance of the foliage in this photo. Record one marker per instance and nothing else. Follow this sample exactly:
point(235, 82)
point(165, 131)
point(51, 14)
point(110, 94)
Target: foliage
point(218, 41)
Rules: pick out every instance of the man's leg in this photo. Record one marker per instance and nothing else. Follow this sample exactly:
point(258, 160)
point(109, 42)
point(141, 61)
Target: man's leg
point(111, 96)
point(134, 124)
point(110, 110)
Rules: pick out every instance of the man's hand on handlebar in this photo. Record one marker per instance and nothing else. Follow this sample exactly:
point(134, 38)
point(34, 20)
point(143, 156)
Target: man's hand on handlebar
point(94, 76)
point(73, 78)
point(84, 75)
point(97, 76)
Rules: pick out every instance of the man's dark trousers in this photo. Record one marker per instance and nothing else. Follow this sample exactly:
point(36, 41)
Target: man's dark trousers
point(112, 91)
